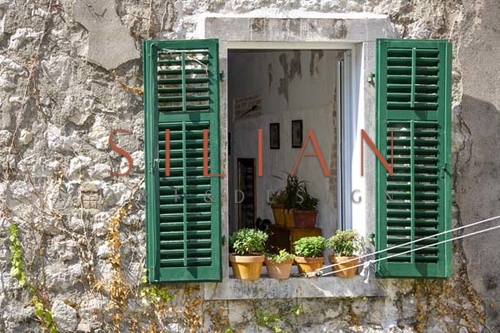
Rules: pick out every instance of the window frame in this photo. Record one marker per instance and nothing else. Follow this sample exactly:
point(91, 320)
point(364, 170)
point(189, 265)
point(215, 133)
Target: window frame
point(360, 37)
point(353, 94)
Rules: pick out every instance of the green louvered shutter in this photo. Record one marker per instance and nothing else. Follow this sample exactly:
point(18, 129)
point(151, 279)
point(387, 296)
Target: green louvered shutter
point(181, 94)
point(413, 87)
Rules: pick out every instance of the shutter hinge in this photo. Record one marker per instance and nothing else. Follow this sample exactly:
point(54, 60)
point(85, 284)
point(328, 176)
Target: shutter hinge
point(445, 169)
point(371, 238)
point(371, 78)
point(153, 165)
point(223, 240)
point(222, 76)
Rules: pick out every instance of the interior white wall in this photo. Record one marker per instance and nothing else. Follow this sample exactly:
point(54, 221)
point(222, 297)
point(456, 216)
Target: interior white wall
point(310, 98)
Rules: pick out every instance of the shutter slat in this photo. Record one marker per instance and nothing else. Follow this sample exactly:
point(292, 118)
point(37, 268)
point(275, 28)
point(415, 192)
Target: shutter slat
point(417, 106)
point(179, 72)
point(428, 88)
point(166, 99)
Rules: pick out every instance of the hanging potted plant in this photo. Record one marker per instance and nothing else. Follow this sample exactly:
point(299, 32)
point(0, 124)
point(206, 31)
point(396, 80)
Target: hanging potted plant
point(248, 246)
point(309, 253)
point(305, 211)
point(279, 265)
point(346, 246)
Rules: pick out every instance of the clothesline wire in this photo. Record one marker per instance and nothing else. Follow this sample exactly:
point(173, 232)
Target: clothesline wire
point(372, 261)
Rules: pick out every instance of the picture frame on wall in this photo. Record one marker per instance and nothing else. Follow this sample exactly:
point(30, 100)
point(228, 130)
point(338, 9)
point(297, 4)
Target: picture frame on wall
point(296, 133)
point(274, 136)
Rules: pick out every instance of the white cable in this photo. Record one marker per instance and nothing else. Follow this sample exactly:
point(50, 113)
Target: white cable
point(370, 262)
point(418, 240)
point(366, 265)
point(442, 242)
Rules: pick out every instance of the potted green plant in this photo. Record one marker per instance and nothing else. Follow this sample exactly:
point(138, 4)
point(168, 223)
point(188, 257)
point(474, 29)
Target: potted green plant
point(293, 188)
point(248, 246)
point(346, 245)
point(293, 206)
point(305, 211)
point(279, 265)
point(309, 253)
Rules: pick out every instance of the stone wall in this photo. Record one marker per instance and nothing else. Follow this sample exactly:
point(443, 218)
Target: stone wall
point(70, 74)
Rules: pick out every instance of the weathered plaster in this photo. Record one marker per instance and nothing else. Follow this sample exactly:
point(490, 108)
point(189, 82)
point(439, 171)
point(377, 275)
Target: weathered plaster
point(477, 162)
point(110, 42)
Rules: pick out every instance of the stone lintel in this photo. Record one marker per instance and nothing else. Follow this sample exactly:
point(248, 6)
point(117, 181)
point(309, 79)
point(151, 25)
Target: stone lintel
point(298, 29)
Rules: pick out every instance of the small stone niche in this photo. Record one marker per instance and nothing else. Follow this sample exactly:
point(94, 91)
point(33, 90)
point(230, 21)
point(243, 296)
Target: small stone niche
point(90, 196)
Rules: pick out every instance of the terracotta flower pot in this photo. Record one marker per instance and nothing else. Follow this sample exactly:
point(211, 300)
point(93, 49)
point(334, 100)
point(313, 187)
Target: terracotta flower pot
point(278, 271)
point(289, 218)
point(305, 219)
point(246, 267)
point(309, 265)
point(279, 214)
point(340, 263)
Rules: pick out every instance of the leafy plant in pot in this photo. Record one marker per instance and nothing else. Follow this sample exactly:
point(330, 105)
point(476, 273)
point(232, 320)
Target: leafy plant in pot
point(291, 195)
point(309, 253)
point(248, 246)
point(305, 211)
point(279, 265)
point(346, 245)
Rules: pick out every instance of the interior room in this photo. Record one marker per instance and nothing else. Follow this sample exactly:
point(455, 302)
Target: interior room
point(288, 94)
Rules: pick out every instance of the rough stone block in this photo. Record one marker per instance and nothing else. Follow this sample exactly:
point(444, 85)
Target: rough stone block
point(110, 43)
point(64, 316)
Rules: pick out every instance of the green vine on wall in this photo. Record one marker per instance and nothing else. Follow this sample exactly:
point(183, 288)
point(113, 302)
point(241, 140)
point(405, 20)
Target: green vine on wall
point(273, 320)
point(154, 294)
point(18, 271)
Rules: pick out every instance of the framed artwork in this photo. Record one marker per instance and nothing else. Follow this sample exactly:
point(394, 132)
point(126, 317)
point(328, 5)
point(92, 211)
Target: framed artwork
point(296, 133)
point(274, 136)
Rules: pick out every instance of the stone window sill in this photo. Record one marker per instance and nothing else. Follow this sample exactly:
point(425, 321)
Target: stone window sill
point(294, 287)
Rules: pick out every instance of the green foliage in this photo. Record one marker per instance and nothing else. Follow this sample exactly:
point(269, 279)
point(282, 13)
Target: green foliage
point(44, 315)
point(248, 241)
point(272, 320)
point(345, 243)
point(16, 256)
point(278, 197)
point(269, 320)
point(295, 195)
point(281, 257)
point(293, 188)
point(155, 294)
point(309, 247)
point(308, 202)
point(17, 271)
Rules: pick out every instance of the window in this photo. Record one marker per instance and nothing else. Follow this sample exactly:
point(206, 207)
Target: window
point(413, 84)
point(183, 209)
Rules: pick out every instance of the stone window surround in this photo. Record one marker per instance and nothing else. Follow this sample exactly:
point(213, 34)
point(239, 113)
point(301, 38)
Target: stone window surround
point(356, 32)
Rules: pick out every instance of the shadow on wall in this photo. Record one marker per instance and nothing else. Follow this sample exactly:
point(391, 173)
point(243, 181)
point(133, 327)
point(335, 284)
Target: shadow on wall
point(477, 176)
